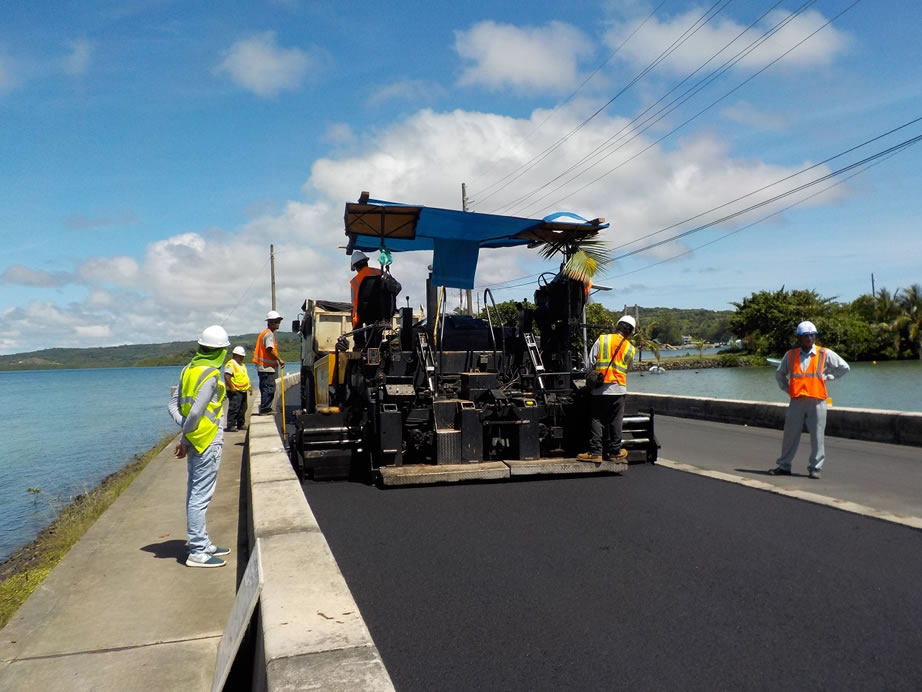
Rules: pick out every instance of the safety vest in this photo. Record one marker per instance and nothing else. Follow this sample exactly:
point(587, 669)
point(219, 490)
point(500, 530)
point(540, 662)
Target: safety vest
point(190, 382)
point(261, 355)
point(614, 358)
point(240, 380)
point(811, 382)
point(354, 284)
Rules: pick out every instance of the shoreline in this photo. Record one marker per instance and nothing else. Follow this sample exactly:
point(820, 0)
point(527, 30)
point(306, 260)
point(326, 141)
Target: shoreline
point(27, 567)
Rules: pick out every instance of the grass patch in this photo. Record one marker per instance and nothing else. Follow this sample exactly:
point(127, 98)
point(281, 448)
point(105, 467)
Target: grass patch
point(28, 566)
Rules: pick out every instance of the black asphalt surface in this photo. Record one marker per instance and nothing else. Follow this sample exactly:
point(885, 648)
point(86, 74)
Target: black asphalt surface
point(652, 580)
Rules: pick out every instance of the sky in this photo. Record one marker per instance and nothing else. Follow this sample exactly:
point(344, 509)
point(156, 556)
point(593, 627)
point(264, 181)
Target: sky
point(151, 152)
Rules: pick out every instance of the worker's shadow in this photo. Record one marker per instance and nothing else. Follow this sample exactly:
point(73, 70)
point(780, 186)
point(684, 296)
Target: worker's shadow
point(764, 472)
point(173, 549)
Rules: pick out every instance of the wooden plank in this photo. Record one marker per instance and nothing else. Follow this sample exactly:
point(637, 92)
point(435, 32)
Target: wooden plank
point(424, 474)
point(534, 467)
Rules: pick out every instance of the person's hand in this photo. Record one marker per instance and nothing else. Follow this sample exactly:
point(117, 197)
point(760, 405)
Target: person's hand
point(180, 451)
point(281, 363)
point(829, 377)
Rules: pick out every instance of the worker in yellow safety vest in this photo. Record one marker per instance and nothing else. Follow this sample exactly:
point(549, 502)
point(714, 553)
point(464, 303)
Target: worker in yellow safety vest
point(611, 356)
point(803, 373)
point(238, 386)
point(197, 405)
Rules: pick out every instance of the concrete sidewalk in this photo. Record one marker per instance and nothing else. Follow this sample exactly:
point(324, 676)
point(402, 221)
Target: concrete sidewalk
point(122, 612)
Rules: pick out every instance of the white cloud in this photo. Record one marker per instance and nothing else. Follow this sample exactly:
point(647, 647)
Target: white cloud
point(747, 114)
point(658, 34)
point(417, 91)
point(78, 61)
point(502, 55)
point(184, 282)
point(260, 65)
point(26, 276)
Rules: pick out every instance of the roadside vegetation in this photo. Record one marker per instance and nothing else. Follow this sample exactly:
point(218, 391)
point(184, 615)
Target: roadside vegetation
point(27, 567)
point(883, 326)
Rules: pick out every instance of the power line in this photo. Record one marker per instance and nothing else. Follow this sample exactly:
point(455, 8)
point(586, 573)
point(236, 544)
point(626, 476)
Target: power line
point(777, 182)
point(758, 205)
point(685, 96)
point(765, 218)
point(698, 24)
point(574, 92)
point(703, 110)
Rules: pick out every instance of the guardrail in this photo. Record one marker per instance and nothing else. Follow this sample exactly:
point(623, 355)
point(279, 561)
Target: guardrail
point(872, 425)
point(311, 634)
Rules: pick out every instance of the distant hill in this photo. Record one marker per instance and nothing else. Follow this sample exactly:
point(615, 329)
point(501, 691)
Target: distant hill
point(135, 355)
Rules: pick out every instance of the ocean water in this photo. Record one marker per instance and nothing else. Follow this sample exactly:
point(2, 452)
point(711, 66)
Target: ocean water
point(893, 385)
point(63, 431)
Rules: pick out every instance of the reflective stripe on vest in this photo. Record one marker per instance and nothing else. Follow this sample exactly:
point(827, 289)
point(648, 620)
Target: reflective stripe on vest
point(354, 285)
point(613, 365)
point(810, 382)
point(240, 380)
point(261, 355)
point(190, 382)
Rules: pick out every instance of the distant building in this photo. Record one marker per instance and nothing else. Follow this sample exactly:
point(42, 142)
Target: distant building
point(686, 340)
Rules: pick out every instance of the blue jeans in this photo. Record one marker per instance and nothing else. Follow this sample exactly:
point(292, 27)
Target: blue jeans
point(266, 391)
point(203, 477)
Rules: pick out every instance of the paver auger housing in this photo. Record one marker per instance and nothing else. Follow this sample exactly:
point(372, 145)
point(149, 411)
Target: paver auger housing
point(455, 397)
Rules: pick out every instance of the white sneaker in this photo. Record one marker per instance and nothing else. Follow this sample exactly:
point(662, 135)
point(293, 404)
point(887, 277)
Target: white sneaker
point(204, 560)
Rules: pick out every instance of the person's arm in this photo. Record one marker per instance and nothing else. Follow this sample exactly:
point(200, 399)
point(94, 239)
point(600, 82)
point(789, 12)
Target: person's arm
point(781, 374)
point(835, 366)
point(173, 406)
point(272, 348)
point(227, 378)
point(594, 354)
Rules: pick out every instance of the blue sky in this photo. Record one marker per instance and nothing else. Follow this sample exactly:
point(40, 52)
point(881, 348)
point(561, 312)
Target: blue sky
point(150, 152)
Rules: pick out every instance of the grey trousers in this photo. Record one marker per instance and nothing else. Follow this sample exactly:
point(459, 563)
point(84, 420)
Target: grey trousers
point(813, 411)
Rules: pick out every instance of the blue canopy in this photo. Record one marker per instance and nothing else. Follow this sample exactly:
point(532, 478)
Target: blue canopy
point(455, 237)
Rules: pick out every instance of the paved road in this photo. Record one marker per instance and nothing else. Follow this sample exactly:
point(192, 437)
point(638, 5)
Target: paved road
point(656, 579)
point(883, 476)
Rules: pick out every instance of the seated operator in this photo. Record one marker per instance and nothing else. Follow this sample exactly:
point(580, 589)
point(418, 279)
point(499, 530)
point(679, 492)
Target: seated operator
point(362, 270)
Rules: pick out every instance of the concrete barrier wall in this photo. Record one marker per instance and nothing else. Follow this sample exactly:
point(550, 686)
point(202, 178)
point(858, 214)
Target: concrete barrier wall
point(873, 425)
point(311, 634)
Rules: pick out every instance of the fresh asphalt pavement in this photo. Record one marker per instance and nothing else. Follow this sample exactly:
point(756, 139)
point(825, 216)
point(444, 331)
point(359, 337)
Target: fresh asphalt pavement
point(654, 579)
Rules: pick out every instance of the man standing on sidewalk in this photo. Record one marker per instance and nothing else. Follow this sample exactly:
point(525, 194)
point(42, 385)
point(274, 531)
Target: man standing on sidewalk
point(611, 356)
point(238, 386)
point(196, 406)
point(267, 359)
point(803, 373)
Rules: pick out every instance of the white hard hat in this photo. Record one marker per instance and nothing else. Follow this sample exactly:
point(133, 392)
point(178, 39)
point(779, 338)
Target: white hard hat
point(627, 319)
point(239, 351)
point(806, 327)
point(273, 315)
point(357, 257)
point(214, 337)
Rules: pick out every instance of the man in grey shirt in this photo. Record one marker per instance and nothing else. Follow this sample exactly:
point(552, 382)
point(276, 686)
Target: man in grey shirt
point(803, 373)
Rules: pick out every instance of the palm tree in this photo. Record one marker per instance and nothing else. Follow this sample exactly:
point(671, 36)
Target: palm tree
point(699, 344)
point(910, 319)
point(889, 318)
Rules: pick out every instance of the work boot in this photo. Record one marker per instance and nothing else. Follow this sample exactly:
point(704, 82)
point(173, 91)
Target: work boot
point(589, 456)
point(779, 471)
point(233, 428)
point(813, 474)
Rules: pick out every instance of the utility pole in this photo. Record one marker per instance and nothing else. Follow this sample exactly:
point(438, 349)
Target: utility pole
point(272, 270)
point(464, 201)
point(873, 292)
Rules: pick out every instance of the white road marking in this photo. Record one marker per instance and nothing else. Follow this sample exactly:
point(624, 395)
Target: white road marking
point(844, 505)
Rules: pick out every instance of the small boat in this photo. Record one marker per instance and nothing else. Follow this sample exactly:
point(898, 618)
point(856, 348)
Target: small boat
point(657, 369)
point(774, 361)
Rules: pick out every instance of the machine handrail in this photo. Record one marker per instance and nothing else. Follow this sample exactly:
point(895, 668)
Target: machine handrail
point(486, 306)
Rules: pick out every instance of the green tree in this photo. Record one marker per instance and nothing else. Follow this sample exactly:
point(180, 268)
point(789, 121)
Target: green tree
point(910, 318)
point(766, 320)
point(666, 329)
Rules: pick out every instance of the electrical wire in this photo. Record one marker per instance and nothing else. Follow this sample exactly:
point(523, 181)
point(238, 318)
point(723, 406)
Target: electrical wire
point(763, 203)
point(765, 218)
point(704, 82)
point(707, 108)
point(524, 168)
point(570, 97)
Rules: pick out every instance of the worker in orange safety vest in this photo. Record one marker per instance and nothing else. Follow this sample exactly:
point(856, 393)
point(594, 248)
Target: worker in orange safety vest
point(360, 267)
point(803, 373)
